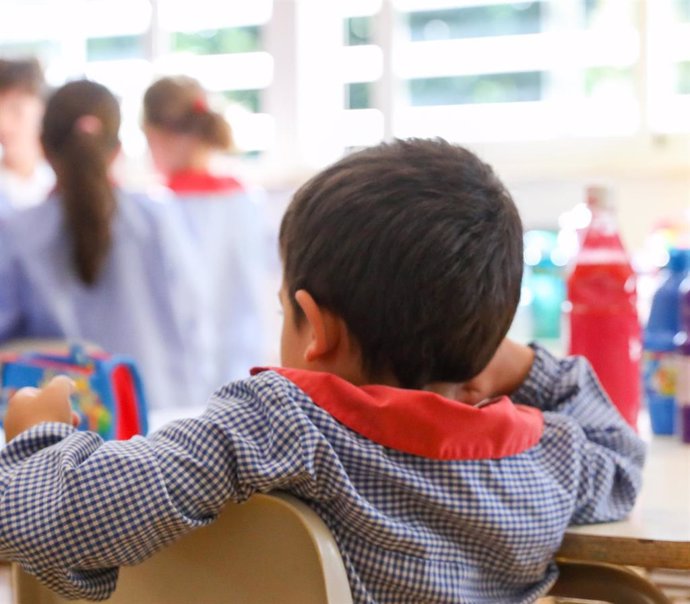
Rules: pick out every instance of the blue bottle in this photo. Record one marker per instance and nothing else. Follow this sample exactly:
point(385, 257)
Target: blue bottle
point(659, 358)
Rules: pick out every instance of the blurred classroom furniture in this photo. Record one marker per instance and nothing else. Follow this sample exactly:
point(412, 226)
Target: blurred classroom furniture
point(275, 548)
point(272, 548)
point(657, 532)
point(600, 582)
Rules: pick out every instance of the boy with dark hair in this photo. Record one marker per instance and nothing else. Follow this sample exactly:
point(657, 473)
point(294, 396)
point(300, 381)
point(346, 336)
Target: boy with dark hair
point(402, 268)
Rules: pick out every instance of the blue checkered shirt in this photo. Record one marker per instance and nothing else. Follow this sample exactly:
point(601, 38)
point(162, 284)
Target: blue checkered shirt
point(410, 529)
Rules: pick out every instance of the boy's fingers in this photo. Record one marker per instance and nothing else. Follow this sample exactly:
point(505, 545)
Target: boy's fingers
point(25, 393)
point(61, 386)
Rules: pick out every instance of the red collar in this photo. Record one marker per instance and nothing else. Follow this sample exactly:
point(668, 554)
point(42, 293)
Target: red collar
point(199, 181)
point(422, 423)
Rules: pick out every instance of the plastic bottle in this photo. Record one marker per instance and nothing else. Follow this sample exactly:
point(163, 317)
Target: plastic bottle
point(602, 296)
point(659, 358)
point(683, 349)
point(546, 283)
point(522, 328)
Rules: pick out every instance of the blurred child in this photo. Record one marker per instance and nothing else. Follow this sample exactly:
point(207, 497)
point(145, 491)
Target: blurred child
point(96, 263)
point(25, 178)
point(184, 133)
point(402, 271)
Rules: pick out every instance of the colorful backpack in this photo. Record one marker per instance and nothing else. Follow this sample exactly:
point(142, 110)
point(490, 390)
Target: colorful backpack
point(109, 395)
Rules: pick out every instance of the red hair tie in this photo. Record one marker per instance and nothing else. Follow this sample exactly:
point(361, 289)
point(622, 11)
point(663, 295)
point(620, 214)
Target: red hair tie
point(200, 105)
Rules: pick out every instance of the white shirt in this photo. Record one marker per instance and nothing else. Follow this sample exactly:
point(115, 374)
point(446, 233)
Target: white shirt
point(20, 193)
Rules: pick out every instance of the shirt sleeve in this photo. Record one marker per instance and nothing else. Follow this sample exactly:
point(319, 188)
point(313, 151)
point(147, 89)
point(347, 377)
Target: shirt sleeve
point(74, 508)
point(593, 450)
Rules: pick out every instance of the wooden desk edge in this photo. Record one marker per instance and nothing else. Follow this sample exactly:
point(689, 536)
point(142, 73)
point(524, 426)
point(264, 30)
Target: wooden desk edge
point(626, 550)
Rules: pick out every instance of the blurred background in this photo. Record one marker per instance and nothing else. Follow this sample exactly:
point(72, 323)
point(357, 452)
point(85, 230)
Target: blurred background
point(562, 97)
point(556, 95)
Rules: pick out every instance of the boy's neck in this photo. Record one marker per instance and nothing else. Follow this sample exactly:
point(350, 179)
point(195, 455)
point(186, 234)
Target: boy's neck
point(352, 371)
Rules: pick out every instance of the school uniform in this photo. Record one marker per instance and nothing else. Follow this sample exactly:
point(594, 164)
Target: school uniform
point(6, 208)
point(17, 193)
point(145, 304)
point(226, 225)
point(429, 500)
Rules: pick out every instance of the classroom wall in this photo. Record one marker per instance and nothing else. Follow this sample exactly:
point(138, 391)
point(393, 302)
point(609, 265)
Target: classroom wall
point(642, 202)
point(649, 177)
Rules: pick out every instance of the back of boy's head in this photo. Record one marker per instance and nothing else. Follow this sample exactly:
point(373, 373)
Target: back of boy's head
point(24, 75)
point(417, 245)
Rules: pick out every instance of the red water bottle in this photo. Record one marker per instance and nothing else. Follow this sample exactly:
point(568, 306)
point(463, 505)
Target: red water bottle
point(602, 295)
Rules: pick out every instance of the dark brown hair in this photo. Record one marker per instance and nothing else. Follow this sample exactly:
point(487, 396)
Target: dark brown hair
point(22, 74)
point(180, 105)
point(417, 245)
point(80, 135)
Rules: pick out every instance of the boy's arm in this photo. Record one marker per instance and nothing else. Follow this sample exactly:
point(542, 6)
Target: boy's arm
point(604, 455)
point(506, 371)
point(74, 508)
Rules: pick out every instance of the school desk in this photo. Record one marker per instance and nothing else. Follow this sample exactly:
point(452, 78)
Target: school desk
point(657, 532)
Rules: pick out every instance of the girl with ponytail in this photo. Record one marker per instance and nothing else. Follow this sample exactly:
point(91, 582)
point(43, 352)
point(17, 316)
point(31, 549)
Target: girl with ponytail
point(184, 134)
point(100, 264)
point(80, 140)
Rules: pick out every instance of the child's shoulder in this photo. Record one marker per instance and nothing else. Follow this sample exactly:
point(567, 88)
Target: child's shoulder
point(34, 227)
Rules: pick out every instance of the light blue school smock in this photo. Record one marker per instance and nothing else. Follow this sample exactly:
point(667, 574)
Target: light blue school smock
point(5, 207)
point(227, 227)
point(146, 302)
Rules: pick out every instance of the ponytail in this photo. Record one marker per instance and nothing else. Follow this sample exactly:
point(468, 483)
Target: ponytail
point(213, 129)
point(79, 137)
point(88, 202)
point(178, 104)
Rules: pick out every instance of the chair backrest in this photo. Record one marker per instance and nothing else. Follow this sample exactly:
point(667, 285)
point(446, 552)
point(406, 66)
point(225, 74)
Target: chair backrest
point(600, 582)
point(273, 548)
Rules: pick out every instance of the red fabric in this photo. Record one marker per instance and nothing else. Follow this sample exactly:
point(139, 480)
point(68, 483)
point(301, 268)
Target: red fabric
point(193, 181)
point(423, 423)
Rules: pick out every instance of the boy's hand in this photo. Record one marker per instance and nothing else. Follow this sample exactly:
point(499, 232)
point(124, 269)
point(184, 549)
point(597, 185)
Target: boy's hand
point(505, 372)
point(31, 406)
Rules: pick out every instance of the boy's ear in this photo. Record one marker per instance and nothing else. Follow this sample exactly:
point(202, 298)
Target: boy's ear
point(324, 327)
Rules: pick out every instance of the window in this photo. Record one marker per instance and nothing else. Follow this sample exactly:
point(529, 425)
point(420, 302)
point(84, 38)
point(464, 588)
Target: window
point(358, 30)
point(115, 48)
point(475, 21)
point(473, 71)
point(492, 67)
point(223, 47)
point(683, 78)
point(490, 88)
point(362, 69)
point(218, 41)
point(668, 71)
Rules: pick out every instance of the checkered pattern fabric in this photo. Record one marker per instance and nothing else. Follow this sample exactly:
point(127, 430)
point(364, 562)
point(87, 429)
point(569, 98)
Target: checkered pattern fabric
point(410, 529)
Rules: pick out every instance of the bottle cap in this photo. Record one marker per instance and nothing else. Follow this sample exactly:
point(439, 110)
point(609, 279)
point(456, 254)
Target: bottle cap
point(678, 260)
point(599, 198)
